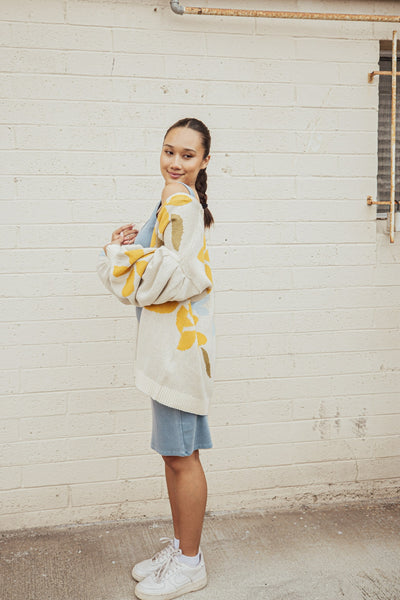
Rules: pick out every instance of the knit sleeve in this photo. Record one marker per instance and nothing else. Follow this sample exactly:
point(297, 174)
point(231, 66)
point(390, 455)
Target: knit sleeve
point(175, 267)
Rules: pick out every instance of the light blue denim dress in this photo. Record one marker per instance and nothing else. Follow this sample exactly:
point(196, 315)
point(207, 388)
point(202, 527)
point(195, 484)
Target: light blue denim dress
point(174, 432)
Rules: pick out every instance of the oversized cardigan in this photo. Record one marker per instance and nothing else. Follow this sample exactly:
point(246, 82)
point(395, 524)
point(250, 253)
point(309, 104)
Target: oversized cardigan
point(172, 280)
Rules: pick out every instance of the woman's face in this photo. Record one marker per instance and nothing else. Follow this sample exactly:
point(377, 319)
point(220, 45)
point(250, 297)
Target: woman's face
point(182, 156)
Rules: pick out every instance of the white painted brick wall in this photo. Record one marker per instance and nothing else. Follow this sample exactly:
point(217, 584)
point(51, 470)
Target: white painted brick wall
point(306, 405)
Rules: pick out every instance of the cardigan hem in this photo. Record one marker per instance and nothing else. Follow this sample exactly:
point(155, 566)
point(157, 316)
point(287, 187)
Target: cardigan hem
point(170, 397)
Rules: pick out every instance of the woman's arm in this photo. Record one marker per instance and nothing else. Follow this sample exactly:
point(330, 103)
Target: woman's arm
point(176, 270)
point(122, 235)
point(125, 234)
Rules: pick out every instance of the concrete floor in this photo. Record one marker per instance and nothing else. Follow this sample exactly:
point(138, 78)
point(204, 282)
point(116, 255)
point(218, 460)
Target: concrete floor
point(343, 552)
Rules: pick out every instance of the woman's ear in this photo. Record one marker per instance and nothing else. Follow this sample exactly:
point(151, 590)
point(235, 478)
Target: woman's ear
point(205, 162)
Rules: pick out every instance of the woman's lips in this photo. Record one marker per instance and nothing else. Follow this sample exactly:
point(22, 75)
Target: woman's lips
point(175, 175)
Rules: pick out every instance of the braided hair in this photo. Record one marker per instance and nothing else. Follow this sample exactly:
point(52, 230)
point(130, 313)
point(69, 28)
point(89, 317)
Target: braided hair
point(201, 181)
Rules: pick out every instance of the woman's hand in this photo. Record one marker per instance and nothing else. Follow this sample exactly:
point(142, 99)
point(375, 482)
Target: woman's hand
point(126, 234)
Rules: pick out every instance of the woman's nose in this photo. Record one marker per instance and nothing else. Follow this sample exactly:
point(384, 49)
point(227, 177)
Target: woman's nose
point(176, 162)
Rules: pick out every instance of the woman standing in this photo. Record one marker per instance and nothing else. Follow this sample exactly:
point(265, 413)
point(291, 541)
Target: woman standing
point(165, 271)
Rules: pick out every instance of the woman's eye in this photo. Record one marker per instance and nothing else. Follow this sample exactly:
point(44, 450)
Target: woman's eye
point(188, 156)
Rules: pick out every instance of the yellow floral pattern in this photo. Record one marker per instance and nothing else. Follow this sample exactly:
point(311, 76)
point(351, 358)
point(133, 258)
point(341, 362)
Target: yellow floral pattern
point(166, 307)
point(204, 257)
point(186, 320)
point(137, 266)
point(186, 323)
point(163, 219)
point(178, 200)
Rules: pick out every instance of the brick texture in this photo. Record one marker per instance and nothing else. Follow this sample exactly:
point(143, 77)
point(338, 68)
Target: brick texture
point(306, 405)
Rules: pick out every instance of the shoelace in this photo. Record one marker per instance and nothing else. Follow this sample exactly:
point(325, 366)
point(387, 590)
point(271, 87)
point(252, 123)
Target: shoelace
point(163, 551)
point(169, 566)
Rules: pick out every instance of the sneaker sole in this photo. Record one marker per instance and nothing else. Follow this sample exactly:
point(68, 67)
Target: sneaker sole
point(137, 577)
point(194, 586)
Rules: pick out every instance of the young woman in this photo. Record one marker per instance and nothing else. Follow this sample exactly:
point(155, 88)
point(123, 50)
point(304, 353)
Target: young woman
point(164, 270)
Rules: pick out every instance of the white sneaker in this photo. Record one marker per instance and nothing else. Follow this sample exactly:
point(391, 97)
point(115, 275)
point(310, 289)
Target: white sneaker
point(150, 565)
point(172, 579)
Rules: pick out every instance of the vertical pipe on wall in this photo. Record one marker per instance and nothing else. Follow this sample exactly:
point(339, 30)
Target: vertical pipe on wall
point(393, 138)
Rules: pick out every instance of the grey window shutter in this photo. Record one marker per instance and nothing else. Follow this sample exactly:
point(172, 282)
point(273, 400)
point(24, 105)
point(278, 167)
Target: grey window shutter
point(384, 125)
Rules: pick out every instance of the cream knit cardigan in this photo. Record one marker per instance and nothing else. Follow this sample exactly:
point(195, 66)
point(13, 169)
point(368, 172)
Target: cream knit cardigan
point(175, 351)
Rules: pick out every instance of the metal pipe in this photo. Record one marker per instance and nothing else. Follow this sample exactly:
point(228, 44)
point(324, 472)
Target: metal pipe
point(393, 136)
point(274, 14)
point(176, 7)
point(380, 202)
point(373, 73)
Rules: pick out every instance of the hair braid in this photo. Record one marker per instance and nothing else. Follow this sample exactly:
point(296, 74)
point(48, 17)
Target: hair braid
point(201, 187)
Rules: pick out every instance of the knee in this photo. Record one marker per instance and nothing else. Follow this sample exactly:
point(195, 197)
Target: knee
point(176, 463)
point(179, 464)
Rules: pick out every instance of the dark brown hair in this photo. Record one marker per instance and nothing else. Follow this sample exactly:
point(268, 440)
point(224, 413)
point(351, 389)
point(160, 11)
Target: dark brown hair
point(201, 181)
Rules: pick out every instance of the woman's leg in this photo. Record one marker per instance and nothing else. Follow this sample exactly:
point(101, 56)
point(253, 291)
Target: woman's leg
point(187, 489)
point(170, 479)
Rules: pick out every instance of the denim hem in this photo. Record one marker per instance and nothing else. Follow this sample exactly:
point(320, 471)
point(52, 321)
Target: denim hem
point(179, 452)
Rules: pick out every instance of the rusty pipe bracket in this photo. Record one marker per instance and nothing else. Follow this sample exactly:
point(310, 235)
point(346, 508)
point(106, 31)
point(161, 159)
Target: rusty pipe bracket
point(373, 73)
point(370, 202)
